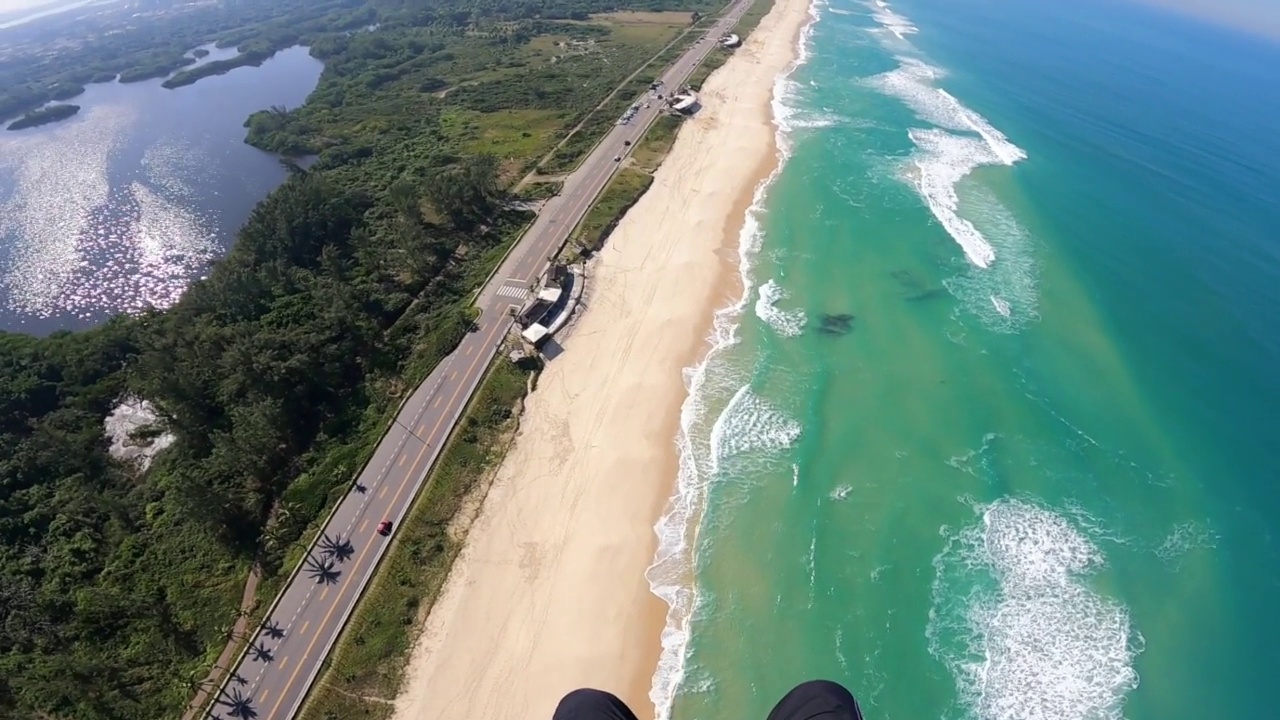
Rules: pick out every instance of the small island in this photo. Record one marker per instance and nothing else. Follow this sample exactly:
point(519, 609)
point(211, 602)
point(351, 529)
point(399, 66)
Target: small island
point(218, 67)
point(44, 116)
point(199, 53)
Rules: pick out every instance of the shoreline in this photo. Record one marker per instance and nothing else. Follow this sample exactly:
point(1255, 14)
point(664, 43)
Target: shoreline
point(550, 590)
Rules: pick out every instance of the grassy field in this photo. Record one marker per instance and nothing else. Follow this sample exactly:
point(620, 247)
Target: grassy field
point(364, 671)
point(657, 142)
point(506, 133)
point(623, 192)
point(653, 30)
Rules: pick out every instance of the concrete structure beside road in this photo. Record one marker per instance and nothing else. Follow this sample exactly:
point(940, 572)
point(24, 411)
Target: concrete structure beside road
point(685, 103)
point(552, 305)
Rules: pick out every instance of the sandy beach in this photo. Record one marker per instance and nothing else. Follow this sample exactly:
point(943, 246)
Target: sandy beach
point(549, 593)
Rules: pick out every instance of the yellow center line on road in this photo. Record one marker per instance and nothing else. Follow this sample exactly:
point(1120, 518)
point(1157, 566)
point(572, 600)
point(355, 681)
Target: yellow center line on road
point(434, 404)
point(324, 593)
point(264, 695)
point(402, 457)
point(413, 472)
point(284, 661)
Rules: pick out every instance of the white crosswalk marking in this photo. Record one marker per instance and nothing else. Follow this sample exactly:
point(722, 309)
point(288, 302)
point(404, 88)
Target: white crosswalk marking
point(517, 293)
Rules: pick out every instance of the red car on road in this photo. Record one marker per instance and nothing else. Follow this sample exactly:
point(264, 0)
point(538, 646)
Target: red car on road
point(384, 528)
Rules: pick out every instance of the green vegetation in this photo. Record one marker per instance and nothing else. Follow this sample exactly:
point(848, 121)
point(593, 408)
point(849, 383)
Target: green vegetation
point(156, 67)
point(44, 116)
point(626, 188)
point(252, 58)
point(630, 184)
point(65, 91)
point(622, 192)
point(598, 122)
point(541, 190)
point(649, 153)
point(278, 373)
point(368, 662)
point(199, 53)
point(274, 374)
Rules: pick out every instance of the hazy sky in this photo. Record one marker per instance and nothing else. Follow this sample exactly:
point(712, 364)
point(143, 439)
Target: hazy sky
point(1260, 17)
point(10, 5)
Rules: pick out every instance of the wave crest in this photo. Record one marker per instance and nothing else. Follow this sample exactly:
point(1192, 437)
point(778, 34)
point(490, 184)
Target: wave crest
point(788, 323)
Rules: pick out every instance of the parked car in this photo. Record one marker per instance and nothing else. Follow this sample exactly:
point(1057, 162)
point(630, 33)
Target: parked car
point(617, 158)
point(384, 528)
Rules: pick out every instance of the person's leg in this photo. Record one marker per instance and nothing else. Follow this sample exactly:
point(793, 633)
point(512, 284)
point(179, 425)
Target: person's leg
point(817, 699)
point(589, 704)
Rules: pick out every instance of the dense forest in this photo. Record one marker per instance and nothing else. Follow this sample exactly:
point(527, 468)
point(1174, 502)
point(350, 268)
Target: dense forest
point(278, 372)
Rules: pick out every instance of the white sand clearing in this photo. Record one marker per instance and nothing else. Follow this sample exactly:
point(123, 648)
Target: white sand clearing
point(549, 593)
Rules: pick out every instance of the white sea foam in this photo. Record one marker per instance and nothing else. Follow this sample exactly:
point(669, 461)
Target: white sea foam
point(1018, 625)
point(1183, 539)
point(841, 492)
point(1004, 296)
point(1001, 293)
point(749, 425)
point(944, 158)
point(670, 576)
point(788, 323)
point(896, 24)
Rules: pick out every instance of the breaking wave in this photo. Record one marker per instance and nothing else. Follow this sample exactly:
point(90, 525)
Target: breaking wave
point(1016, 622)
point(1000, 292)
point(943, 158)
point(746, 425)
point(788, 323)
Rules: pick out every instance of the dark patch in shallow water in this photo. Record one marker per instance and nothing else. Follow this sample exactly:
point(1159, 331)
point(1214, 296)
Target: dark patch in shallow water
point(915, 289)
point(835, 324)
point(932, 294)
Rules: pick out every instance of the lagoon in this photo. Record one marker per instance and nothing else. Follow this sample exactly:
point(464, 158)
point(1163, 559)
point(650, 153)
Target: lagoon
point(119, 208)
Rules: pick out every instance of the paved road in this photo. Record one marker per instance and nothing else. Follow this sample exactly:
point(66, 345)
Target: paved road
point(306, 620)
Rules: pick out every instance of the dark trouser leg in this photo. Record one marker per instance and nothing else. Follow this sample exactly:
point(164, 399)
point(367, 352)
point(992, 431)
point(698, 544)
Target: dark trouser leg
point(820, 699)
point(588, 704)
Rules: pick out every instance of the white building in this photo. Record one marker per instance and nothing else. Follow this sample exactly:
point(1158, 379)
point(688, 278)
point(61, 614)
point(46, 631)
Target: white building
point(685, 103)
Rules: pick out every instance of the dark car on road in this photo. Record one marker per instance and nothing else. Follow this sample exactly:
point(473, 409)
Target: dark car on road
point(384, 528)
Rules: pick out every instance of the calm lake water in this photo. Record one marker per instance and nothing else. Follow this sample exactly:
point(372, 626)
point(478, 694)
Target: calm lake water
point(120, 207)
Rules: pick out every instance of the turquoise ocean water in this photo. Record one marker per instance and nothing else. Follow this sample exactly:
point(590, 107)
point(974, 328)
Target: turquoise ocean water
point(995, 432)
